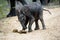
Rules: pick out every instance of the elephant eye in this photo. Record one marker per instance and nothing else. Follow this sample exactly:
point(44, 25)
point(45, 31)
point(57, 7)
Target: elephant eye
point(23, 12)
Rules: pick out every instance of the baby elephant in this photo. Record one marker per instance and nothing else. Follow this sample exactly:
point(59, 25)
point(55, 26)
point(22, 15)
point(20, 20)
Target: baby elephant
point(30, 13)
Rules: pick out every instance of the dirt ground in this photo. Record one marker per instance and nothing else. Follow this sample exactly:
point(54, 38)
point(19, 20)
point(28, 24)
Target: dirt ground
point(52, 31)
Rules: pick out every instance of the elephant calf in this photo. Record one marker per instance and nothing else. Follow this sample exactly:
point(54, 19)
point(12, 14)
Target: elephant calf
point(30, 13)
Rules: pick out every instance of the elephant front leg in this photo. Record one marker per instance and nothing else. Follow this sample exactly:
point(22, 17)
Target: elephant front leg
point(30, 24)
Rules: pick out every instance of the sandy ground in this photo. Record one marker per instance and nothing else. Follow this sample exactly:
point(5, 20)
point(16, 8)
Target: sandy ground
point(52, 31)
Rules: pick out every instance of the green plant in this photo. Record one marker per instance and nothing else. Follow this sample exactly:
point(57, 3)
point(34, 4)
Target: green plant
point(3, 8)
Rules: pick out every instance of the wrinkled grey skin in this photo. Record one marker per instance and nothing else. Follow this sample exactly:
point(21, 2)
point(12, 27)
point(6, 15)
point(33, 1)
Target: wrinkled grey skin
point(30, 13)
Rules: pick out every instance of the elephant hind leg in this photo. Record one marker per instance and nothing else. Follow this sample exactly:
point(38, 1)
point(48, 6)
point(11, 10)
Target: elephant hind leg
point(37, 26)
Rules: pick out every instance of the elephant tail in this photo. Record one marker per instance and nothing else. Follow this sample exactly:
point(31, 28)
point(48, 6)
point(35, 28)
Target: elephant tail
point(47, 10)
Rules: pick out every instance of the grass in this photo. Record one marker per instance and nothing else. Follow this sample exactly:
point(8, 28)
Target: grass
point(3, 9)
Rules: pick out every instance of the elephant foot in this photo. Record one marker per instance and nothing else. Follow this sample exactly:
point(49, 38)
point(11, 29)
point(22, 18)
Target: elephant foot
point(30, 30)
point(44, 28)
point(22, 32)
point(37, 28)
